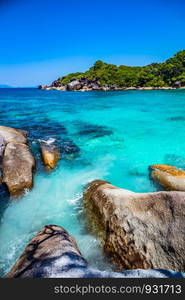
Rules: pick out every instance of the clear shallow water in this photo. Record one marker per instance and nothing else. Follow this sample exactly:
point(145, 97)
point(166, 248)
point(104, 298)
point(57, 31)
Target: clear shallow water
point(119, 135)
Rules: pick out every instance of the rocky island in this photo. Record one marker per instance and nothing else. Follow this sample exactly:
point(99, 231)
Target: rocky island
point(108, 77)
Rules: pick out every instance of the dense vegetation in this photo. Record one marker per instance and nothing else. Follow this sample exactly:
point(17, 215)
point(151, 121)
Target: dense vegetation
point(168, 73)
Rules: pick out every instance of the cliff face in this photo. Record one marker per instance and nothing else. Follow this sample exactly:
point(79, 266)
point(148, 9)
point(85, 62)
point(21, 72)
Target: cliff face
point(104, 76)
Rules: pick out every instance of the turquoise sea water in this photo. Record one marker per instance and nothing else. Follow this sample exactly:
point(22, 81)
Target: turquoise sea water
point(112, 135)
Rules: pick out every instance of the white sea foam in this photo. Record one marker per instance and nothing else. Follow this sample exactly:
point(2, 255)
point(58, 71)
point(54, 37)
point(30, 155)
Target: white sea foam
point(49, 141)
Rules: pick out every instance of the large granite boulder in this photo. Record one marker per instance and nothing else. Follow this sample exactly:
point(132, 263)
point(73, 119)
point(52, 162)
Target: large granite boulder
point(138, 230)
point(53, 253)
point(48, 253)
point(56, 83)
point(169, 177)
point(17, 162)
point(12, 135)
point(18, 166)
point(50, 155)
point(74, 85)
point(177, 84)
point(84, 84)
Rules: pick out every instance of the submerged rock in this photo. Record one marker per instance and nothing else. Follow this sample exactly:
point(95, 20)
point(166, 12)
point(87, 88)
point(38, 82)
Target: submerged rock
point(46, 129)
point(170, 177)
point(178, 118)
point(50, 155)
point(177, 160)
point(138, 230)
point(54, 253)
point(67, 146)
point(94, 131)
point(17, 162)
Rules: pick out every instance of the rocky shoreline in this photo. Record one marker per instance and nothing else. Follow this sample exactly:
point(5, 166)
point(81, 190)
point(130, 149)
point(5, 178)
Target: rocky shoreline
point(86, 85)
point(143, 234)
point(17, 163)
point(103, 76)
point(54, 253)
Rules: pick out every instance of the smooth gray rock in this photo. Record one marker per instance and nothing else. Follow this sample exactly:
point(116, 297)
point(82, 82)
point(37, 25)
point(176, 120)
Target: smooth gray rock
point(74, 85)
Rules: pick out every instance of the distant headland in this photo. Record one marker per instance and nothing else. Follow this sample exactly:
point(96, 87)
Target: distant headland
point(104, 77)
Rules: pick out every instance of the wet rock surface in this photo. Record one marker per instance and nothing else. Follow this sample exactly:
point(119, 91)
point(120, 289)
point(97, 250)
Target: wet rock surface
point(54, 253)
point(138, 230)
point(50, 155)
point(4, 196)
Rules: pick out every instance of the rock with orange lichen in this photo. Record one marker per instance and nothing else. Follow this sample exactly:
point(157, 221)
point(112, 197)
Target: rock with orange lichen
point(50, 155)
point(171, 178)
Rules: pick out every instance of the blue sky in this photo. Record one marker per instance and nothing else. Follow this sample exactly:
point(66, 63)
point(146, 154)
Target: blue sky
point(41, 40)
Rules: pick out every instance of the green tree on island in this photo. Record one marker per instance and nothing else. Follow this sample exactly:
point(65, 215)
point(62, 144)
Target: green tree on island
point(169, 73)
